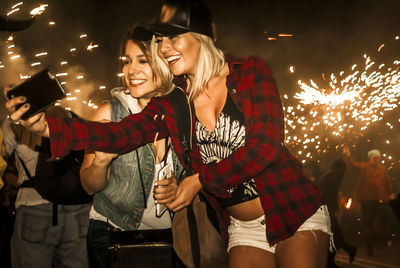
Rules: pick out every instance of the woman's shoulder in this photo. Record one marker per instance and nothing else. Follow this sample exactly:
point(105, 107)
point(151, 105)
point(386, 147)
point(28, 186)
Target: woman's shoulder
point(246, 67)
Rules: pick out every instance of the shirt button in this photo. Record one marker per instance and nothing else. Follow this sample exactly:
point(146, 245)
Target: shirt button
point(234, 91)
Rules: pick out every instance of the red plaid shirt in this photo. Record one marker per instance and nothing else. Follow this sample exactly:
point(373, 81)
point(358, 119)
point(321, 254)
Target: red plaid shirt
point(287, 195)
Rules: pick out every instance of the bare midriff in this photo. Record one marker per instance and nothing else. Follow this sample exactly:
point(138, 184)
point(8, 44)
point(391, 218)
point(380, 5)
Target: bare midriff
point(246, 211)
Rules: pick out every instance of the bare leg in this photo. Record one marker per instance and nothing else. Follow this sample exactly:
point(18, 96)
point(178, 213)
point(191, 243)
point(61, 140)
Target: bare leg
point(250, 257)
point(308, 249)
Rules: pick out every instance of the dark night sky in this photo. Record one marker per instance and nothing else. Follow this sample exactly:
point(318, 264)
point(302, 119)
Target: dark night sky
point(327, 35)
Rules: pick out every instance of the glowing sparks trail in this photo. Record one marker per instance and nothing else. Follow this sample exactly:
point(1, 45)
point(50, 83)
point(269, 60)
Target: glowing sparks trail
point(73, 76)
point(39, 10)
point(41, 54)
point(328, 118)
point(18, 4)
point(348, 203)
point(12, 11)
point(91, 46)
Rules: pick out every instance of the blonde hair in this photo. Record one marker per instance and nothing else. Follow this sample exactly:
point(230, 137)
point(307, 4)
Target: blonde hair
point(210, 63)
point(160, 68)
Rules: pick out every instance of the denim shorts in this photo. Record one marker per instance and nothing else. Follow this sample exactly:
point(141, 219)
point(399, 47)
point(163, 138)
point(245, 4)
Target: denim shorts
point(253, 233)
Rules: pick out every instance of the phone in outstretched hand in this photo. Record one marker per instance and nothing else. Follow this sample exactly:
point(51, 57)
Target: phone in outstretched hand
point(40, 90)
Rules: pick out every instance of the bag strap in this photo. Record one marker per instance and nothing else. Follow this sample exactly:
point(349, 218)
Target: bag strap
point(183, 118)
point(29, 183)
point(28, 174)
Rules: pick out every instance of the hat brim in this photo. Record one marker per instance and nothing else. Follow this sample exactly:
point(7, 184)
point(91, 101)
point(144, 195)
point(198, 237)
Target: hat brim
point(142, 34)
point(14, 25)
point(165, 29)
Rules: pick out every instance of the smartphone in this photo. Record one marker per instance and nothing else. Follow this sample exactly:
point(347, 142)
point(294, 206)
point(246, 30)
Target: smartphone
point(40, 90)
point(164, 173)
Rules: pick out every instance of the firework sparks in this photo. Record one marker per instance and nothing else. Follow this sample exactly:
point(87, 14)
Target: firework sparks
point(91, 46)
point(348, 203)
point(39, 10)
point(13, 11)
point(68, 73)
point(41, 54)
point(16, 5)
point(328, 118)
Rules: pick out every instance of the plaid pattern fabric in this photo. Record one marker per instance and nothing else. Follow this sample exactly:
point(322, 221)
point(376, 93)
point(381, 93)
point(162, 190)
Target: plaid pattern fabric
point(287, 196)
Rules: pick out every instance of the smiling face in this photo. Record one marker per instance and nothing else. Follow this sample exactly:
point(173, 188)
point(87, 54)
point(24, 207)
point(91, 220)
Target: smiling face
point(138, 74)
point(180, 53)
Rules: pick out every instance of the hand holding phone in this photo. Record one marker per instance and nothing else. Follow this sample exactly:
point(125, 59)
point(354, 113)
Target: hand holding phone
point(164, 173)
point(40, 90)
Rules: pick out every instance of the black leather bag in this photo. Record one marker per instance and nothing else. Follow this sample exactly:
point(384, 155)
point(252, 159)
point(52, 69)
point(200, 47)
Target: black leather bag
point(57, 181)
point(141, 249)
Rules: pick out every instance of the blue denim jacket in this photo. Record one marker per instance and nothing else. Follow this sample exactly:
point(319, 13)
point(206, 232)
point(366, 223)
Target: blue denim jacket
point(122, 200)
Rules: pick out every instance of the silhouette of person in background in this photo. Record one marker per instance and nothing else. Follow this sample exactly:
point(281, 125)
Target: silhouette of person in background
point(374, 190)
point(314, 172)
point(329, 186)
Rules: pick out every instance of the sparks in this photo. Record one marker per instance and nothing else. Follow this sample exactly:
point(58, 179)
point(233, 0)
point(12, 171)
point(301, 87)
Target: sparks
point(39, 10)
point(16, 5)
point(344, 111)
point(91, 46)
point(12, 11)
point(348, 203)
point(41, 54)
point(61, 74)
point(285, 35)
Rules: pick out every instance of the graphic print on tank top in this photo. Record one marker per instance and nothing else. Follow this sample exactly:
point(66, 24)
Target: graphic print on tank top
point(228, 135)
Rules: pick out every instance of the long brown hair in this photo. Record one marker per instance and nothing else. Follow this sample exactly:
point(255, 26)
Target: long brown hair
point(166, 84)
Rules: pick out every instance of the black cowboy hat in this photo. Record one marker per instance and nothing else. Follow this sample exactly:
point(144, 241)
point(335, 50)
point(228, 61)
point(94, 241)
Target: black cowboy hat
point(182, 16)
